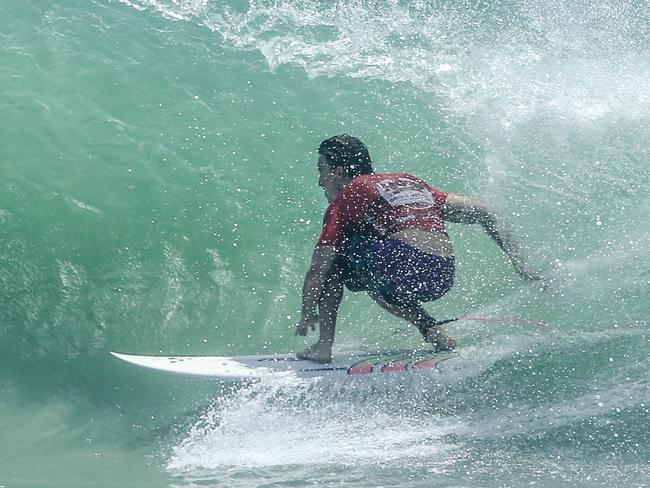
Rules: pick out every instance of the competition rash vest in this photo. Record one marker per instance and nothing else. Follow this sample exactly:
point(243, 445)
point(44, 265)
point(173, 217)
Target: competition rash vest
point(380, 205)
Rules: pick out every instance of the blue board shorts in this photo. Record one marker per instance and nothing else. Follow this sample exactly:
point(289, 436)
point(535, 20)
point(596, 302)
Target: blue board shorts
point(400, 273)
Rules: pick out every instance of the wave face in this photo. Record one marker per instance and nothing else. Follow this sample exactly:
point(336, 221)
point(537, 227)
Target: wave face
point(158, 196)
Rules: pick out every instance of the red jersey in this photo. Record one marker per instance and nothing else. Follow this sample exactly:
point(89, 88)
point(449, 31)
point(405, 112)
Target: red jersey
point(381, 205)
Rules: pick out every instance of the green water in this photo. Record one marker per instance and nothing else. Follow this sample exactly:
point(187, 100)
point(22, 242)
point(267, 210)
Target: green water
point(158, 195)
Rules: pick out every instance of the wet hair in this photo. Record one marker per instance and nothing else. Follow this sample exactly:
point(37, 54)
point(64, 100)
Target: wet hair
point(348, 152)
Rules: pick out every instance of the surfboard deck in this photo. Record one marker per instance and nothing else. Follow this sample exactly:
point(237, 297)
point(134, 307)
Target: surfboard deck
point(260, 366)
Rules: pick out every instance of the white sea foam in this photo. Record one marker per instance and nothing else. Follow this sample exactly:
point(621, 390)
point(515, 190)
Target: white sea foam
point(520, 65)
point(276, 424)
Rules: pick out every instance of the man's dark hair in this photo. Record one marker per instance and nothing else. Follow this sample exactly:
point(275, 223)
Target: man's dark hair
point(348, 152)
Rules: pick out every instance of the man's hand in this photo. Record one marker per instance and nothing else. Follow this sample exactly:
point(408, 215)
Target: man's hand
point(306, 321)
point(463, 210)
point(525, 272)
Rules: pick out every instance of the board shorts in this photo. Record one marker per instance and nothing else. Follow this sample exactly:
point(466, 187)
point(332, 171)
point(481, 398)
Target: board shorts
point(400, 273)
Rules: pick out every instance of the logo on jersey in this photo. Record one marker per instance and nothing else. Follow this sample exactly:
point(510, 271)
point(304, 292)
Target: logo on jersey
point(405, 192)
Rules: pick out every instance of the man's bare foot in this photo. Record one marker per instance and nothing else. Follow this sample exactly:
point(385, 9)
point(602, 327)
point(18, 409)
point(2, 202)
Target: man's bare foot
point(318, 352)
point(440, 341)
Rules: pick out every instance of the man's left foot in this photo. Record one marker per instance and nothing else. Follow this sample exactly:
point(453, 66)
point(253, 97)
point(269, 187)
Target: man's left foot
point(317, 352)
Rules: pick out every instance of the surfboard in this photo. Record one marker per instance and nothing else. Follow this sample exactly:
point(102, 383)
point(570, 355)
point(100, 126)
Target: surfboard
point(260, 366)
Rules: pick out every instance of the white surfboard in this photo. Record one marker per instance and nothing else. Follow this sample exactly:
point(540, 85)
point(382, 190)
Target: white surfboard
point(260, 366)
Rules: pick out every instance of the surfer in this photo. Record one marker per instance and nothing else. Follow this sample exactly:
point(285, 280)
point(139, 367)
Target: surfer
point(385, 234)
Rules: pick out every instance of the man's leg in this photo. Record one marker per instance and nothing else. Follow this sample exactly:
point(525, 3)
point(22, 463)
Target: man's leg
point(418, 316)
point(328, 308)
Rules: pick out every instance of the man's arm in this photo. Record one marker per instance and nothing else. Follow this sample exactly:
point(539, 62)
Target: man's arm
point(312, 290)
point(463, 210)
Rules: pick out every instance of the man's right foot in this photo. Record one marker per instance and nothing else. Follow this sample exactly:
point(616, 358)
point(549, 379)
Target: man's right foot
point(440, 341)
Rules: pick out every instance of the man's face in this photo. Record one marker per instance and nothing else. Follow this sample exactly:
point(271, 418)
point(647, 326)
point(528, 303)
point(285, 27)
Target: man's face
point(330, 179)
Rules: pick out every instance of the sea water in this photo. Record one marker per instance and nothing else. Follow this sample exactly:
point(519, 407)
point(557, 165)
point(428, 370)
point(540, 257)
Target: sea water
point(159, 196)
